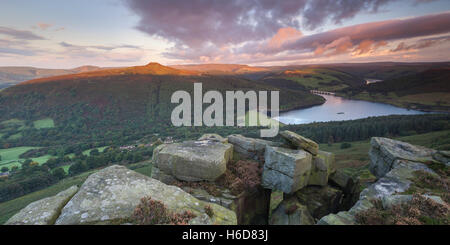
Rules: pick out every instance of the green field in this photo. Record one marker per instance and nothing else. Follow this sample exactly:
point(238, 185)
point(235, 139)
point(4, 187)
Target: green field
point(10, 157)
point(320, 79)
point(12, 122)
point(16, 126)
point(88, 152)
point(15, 136)
point(44, 123)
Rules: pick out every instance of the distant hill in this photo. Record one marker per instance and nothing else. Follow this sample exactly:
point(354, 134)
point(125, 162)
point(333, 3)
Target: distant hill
point(13, 75)
point(149, 69)
point(427, 90)
point(385, 70)
point(223, 68)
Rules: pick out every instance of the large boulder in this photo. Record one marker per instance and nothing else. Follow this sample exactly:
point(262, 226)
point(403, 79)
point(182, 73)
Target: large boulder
point(384, 152)
point(193, 160)
point(44, 211)
point(110, 196)
point(291, 212)
point(250, 148)
point(322, 167)
point(286, 169)
point(300, 142)
point(397, 180)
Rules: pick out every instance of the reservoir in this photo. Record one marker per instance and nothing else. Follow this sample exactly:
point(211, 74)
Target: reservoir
point(338, 109)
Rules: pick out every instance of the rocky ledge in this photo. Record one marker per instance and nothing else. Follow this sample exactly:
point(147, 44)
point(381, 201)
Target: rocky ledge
point(241, 180)
point(405, 181)
point(111, 195)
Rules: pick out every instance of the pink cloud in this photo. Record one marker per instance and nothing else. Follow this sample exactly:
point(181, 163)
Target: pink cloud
point(43, 26)
point(284, 36)
point(197, 22)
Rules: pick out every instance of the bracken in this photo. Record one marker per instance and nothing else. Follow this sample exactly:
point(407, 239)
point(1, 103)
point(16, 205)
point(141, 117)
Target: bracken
point(152, 212)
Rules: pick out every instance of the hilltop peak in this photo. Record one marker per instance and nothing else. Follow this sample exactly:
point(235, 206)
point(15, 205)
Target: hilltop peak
point(152, 68)
point(153, 64)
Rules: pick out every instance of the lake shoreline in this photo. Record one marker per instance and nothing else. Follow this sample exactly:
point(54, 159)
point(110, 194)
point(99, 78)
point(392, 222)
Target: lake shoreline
point(418, 107)
point(340, 108)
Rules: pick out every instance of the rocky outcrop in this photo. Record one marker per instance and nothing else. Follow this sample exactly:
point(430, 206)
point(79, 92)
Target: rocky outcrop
point(395, 163)
point(384, 152)
point(286, 169)
point(110, 196)
point(304, 180)
point(249, 147)
point(44, 211)
point(300, 142)
point(397, 180)
point(193, 160)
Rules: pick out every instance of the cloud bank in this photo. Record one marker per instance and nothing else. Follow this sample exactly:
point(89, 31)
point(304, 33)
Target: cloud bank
point(249, 31)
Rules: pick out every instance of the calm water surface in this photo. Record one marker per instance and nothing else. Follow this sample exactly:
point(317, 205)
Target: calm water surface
point(339, 109)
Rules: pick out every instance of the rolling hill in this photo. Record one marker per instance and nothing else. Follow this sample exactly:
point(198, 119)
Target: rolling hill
point(426, 90)
point(112, 100)
point(10, 76)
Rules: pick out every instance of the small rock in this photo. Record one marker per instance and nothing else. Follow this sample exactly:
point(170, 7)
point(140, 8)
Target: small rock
point(213, 137)
point(249, 147)
point(322, 167)
point(341, 218)
point(300, 142)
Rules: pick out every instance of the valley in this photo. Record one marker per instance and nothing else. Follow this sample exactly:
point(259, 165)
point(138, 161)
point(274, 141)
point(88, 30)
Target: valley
point(55, 131)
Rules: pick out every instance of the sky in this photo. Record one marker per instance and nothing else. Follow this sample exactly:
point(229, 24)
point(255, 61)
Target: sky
point(72, 33)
